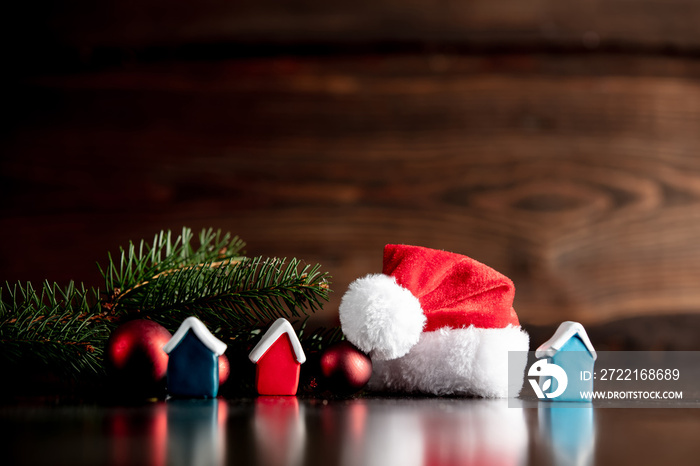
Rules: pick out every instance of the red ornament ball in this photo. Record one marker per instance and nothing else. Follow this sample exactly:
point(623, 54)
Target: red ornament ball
point(345, 368)
point(224, 369)
point(135, 358)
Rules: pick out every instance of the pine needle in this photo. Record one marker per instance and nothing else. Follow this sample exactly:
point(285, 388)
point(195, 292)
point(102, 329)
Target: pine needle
point(55, 327)
point(235, 294)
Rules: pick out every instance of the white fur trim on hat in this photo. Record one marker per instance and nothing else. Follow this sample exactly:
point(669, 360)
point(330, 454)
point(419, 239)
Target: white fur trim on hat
point(465, 361)
point(381, 317)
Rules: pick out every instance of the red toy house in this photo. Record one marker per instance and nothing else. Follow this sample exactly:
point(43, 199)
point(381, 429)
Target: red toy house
point(278, 356)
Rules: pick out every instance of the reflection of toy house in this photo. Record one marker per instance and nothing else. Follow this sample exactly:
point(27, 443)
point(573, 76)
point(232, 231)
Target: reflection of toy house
point(570, 432)
point(571, 349)
point(193, 363)
point(278, 356)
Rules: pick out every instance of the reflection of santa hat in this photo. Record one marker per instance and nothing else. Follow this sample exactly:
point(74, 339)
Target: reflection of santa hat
point(435, 322)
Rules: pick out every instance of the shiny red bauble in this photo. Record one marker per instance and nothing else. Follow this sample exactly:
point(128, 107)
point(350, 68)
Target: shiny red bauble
point(135, 358)
point(345, 368)
point(224, 369)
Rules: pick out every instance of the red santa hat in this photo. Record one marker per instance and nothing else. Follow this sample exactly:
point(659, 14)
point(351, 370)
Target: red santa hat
point(435, 322)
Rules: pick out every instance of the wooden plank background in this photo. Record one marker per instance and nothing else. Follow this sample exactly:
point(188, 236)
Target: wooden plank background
point(625, 23)
point(556, 141)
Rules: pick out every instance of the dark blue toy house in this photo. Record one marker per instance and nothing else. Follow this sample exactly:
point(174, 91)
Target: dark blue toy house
point(193, 363)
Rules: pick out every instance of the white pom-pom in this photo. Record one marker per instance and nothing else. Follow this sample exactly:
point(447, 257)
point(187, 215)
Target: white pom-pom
point(381, 317)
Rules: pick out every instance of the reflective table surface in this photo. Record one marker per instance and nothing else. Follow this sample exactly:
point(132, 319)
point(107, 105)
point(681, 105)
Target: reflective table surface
point(375, 431)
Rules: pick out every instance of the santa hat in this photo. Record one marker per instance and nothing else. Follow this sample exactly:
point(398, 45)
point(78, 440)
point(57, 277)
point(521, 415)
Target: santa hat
point(435, 322)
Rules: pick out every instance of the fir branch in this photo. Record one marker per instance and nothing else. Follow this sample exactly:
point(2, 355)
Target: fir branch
point(54, 326)
point(232, 296)
point(319, 338)
point(139, 265)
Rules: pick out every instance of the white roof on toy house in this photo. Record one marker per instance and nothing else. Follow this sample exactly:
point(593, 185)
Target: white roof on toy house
point(564, 333)
point(276, 330)
point(215, 345)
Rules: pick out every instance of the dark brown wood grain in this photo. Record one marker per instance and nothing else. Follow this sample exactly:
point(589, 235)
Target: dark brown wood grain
point(577, 176)
point(575, 23)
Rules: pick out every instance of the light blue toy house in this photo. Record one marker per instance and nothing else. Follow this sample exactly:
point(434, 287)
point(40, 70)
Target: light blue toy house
point(193, 362)
point(571, 349)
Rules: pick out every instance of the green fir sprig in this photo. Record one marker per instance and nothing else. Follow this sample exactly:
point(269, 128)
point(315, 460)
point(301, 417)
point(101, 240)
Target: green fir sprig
point(238, 294)
point(138, 266)
point(170, 279)
point(319, 338)
point(58, 327)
